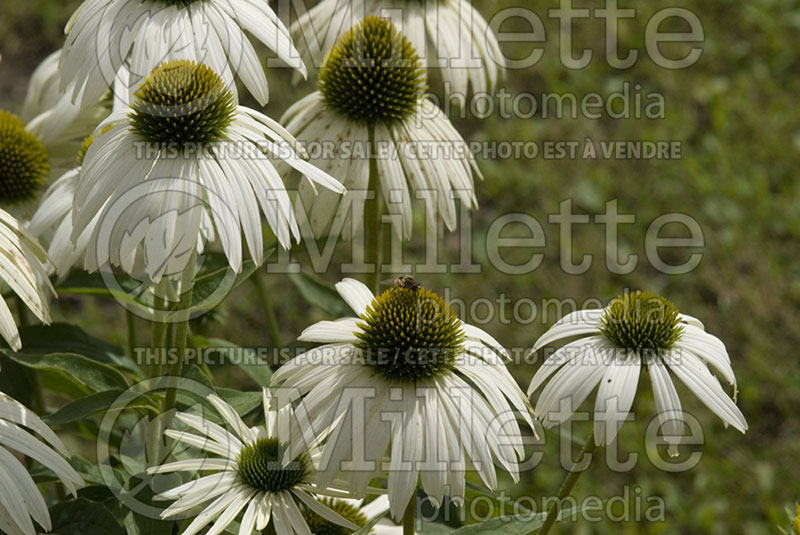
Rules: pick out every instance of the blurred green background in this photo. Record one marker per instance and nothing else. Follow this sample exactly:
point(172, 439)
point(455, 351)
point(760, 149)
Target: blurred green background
point(736, 114)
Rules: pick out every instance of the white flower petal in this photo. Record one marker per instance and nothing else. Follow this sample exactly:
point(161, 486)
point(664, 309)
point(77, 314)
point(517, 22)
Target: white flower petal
point(705, 386)
point(668, 404)
point(340, 331)
point(615, 397)
point(356, 294)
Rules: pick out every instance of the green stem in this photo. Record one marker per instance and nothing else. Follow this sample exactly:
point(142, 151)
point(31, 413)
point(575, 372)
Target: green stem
point(409, 517)
point(267, 308)
point(202, 364)
point(159, 328)
point(373, 210)
point(181, 334)
point(130, 320)
point(566, 487)
point(179, 339)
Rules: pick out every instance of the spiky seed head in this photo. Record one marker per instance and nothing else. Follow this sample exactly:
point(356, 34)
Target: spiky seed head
point(641, 322)
point(24, 163)
point(182, 103)
point(373, 74)
point(410, 334)
point(261, 466)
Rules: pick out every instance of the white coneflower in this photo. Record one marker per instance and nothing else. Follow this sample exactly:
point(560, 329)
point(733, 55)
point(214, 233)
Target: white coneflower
point(184, 152)
point(105, 35)
point(23, 263)
point(251, 473)
point(439, 395)
point(371, 95)
point(52, 221)
point(635, 330)
point(24, 163)
point(20, 501)
point(451, 35)
point(356, 512)
point(59, 124)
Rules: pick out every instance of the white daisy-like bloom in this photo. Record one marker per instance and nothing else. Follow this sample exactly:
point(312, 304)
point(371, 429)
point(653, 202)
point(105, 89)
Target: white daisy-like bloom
point(104, 36)
point(23, 263)
point(21, 503)
point(636, 330)
point(371, 97)
point(451, 36)
point(52, 221)
point(52, 224)
point(250, 474)
point(182, 153)
point(356, 512)
point(436, 393)
point(51, 116)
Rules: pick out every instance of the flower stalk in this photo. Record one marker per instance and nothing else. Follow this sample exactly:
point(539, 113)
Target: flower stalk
point(267, 308)
point(372, 220)
point(409, 518)
point(566, 487)
point(181, 335)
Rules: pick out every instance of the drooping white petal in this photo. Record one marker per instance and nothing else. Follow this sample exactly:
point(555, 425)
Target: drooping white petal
point(356, 294)
point(570, 386)
point(573, 324)
point(615, 397)
point(668, 404)
point(694, 374)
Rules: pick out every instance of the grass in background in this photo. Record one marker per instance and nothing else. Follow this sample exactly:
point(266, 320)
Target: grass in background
point(736, 114)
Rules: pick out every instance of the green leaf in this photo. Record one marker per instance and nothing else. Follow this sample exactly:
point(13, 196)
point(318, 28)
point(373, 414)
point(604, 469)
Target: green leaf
point(97, 493)
point(242, 402)
point(149, 523)
point(130, 292)
point(92, 404)
point(510, 525)
point(320, 294)
point(506, 525)
point(66, 338)
point(366, 528)
point(94, 375)
point(190, 399)
point(213, 286)
point(258, 371)
point(61, 383)
point(82, 516)
point(15, 380)
point(435, 528)
point(91, 474)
